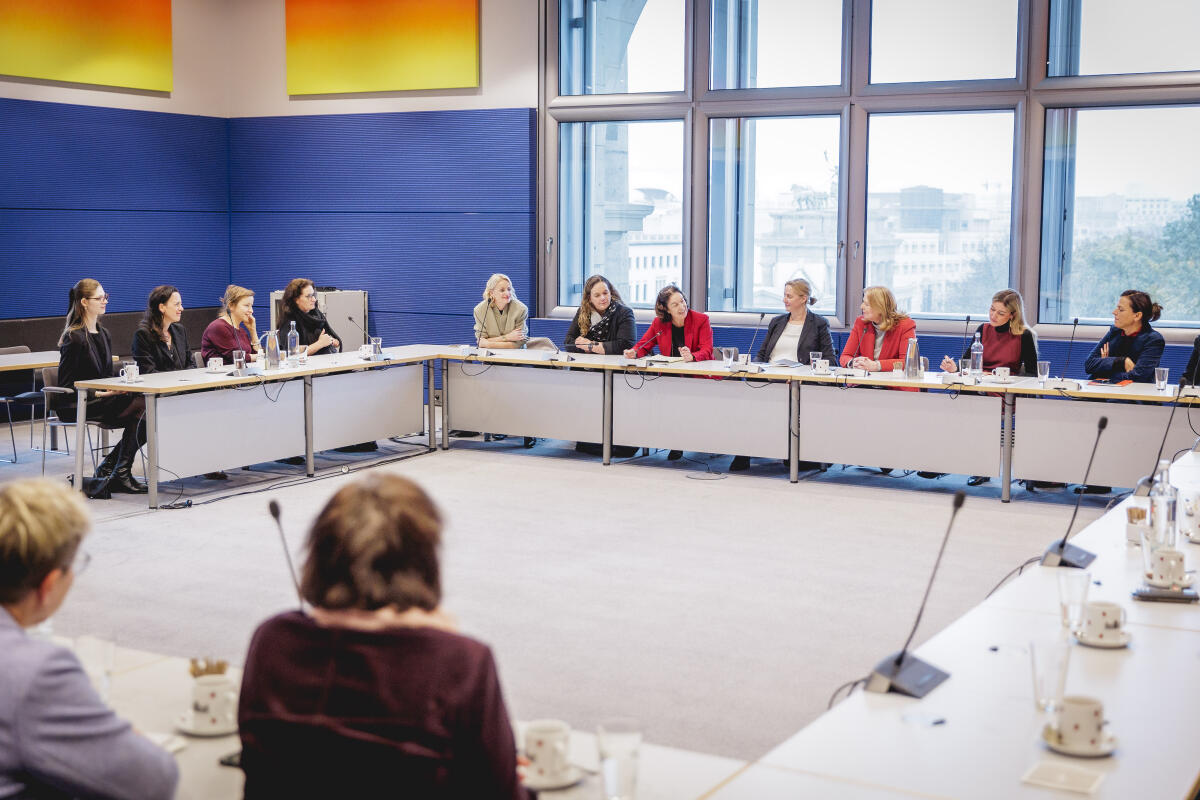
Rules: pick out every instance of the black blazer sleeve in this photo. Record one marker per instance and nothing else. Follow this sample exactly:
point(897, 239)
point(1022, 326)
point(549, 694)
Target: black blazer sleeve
point(824, 342)
point(774, 329)
point(1193, 365)
point(624, 335)
point(572, 334)
point(144, 348)
point(1029, 352)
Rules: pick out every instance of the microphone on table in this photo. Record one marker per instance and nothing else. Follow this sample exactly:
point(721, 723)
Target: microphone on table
point(758, 328)
point(1061, 554)
point(904, 673)
point(362, 330)
point(966, 328)
point(273, 506)
point(1070, 345)
point(1146, 481)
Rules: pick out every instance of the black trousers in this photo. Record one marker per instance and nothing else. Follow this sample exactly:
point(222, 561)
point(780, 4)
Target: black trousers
point(125, 411)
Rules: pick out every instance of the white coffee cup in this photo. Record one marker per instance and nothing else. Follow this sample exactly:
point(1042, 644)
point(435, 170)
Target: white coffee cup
point(214, 704)
point(821, 366)
point(1166, 568)
point(1102, 621)
point(1002, 373)
point(130, 372)
point(215, 364)
point(1080, 722)
point(743, 358)
point(546, 745)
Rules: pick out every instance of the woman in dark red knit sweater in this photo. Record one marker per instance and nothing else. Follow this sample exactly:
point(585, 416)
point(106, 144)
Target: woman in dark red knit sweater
point(371, 692)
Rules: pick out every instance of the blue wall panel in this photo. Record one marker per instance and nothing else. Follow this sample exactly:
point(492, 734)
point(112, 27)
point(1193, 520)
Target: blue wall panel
point(425, 161)
point(54, 155)
point(43, 254)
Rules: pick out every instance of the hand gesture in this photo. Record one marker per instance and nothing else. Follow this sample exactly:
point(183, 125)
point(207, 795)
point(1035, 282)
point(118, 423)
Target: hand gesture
point(686, 354)
point(1129, 365)
point(948, 364)
point(630, 353)
point(582, 341)
point(1104, 350)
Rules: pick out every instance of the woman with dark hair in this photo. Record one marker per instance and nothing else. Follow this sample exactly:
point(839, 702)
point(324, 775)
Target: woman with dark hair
point(160, 343)
point(85, 353)
point(300, 306)
point(1131, 349)
point(373, 677)
point(604, 325)
point(676, 330)
point(797, 333)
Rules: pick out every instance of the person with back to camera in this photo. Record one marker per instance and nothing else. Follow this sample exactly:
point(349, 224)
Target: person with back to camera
point(299, 305)
point(371, 691)
point(1191, 373)
point(792, 336)
point(160, 343)
point(85, 353)
point(57, 737)
point(501, 320)
point(603, 325)
point(233, 329)
point(1131, 349)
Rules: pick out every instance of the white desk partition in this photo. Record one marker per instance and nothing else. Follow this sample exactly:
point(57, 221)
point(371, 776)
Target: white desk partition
point(201, 432)
point(552, 403)
point(682, 413)
point(925, 431)
point(1054, 439)
point(365, 406)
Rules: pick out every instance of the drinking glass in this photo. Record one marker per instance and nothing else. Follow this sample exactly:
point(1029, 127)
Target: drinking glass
point(1049, 660)
point(376, 346)
point(96, 656)
point(1043, 370)
point(964, 366)
point(814, 357)
point(239, 361)
point(618, 741)
point(1160, 377)
point(1072, 594)
point(728, 354)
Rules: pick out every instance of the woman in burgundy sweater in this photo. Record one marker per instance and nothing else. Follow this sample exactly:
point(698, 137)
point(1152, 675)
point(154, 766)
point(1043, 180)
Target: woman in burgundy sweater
point(233, 329)
point(371, 692)
point(1007, 342)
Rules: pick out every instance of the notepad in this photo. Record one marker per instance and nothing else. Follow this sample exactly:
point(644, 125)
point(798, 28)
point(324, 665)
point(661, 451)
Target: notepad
point(663, 359)
point(1057, 775)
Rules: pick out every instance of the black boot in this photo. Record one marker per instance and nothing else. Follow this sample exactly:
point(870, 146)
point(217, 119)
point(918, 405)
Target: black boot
point(109, 463)
point(122, 479)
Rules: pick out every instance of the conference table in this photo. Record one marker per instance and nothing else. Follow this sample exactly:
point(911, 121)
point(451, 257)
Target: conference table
point(11, 362)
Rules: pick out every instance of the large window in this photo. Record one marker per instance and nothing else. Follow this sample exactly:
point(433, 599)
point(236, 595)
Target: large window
point(938, 208)
point(1122, 211)
point(773, 200)
point(768, 43)
point(1109, 37)
point(943, 40)
point(619, 46)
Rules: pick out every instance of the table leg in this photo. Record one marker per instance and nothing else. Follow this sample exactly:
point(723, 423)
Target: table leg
point(432, 415)
point(445, 403)
point(309, 467)
point(1008, 404)
point(606, 431)
point(80, 436)
point(794, 432)
point(152, 449)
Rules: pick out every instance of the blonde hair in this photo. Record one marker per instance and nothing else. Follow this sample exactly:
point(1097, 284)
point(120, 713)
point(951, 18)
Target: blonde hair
point(881, 299)
point(494, 281)
point(75, 297)
point(801, 286)
point(584, 317)
point(234, 294)
point(41, 526)
point(1011, 299)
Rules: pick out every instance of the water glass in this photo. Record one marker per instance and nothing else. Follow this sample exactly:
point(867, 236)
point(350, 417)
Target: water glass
point(728, 354)
point(1160, 377)
point(814, 357)
point(1043, 370)
point(1049, 660)
point(964, 366)
point(1072, 594)
point(239, 361)
point(618, 741)
point(377, 346)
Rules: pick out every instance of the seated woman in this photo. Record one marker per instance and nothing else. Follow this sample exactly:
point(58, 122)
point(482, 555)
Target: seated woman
point(1191, 373)
point(85, 353)
point(371, 692)
point(604, 325)
point(879, 339)
point(501, 320)
point(300, 306)
point(677, 331)
point(233, 329)
point(57, 737)
point(160, 343)
point(1006, 340)
point(1006, 343)
point(1131, 349)
point(792, 336)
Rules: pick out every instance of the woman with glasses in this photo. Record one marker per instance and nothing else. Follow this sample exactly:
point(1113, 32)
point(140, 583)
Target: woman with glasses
point(85, 353)
point(160, 343)
point(300, 306)
point(57, 737)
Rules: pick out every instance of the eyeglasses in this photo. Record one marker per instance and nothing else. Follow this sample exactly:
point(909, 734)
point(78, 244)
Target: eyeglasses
point(309, 296)
point(81, 562)
point(103, 298)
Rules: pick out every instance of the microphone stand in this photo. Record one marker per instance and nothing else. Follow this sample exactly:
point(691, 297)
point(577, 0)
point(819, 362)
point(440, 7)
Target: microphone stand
point(1146, 481)
point(1065, 382)
point(273, 507)
point(1061, 554)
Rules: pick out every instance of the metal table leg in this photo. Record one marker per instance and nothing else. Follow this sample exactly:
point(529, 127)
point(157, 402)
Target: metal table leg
point(445, 404)
point(794, 431)
point(1007, 435)
point(432, 415)
point(152, 448)
point(309, 466)
point(80, 435)
point(606, 431)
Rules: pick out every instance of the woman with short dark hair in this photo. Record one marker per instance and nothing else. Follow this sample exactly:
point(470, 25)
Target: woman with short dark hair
point(374, 678)
point(677, 330)
point(299, 305)
point(1131, 349)
point(160, 343)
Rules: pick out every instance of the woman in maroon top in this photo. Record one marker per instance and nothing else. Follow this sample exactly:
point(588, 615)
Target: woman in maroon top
point(1007, 342)
point(371, 692)
point(233, 329)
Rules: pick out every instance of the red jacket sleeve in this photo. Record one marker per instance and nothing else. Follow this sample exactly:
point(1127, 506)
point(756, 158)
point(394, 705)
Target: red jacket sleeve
point(895, 347)
point(852, 342)
point(700, 338)
point(646, 343)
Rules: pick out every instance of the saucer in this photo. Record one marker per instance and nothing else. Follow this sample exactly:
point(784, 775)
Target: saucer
point(222, 368)
point(1108, 744)
point(186, 723)
point(1188, 580)
point(1122, 639)
point(572, 776)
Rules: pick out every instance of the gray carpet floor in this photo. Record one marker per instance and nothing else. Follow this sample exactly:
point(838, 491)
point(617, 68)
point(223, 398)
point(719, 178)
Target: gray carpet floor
point(722, 613)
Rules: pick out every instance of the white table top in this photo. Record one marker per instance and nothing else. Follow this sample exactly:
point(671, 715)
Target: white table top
point(15, 361)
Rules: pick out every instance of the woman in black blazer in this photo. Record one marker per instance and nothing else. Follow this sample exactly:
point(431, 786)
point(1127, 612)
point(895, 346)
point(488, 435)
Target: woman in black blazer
point(603, 325)
point(160, 343)
point(85, 353)
point(809, 331)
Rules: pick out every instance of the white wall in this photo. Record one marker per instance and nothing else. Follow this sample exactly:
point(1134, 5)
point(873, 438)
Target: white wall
point(230, 61)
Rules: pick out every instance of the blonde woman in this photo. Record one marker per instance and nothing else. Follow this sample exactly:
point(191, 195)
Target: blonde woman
point(792, 336)
point(57, 737)
point(879, 338)
point(233, 329)
point(1007, 342)
point(604, 325)
point(501, 320)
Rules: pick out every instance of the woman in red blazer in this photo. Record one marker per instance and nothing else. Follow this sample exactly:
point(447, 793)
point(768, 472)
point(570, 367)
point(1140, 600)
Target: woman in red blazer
point(676, 330)
point(880, 320)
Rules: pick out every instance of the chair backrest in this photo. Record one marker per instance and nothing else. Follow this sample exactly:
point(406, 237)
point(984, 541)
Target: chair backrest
point(50, 376)
point(198, 359)
point(8, 351)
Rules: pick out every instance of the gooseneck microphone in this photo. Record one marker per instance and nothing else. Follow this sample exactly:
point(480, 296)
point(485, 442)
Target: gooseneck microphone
point(904, 673)
point(1061, 554)
point(1146, 481)
point(1070, 346)
point(273, 506)
point(366, 336)
point(966, 329)
point(761, 317)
